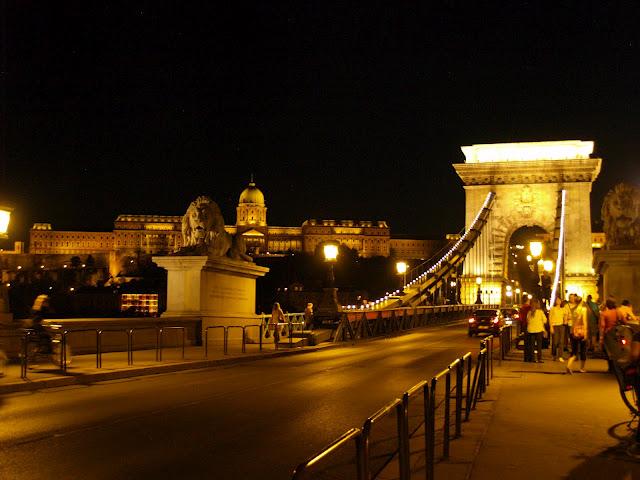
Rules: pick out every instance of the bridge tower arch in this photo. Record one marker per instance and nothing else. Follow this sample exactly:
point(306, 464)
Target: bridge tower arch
point(527, 179)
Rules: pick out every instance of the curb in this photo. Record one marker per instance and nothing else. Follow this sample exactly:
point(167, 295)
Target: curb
point(89, 378)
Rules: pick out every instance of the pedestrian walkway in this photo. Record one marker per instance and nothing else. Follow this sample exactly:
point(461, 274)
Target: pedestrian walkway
point(114, 364)
point(537, 422)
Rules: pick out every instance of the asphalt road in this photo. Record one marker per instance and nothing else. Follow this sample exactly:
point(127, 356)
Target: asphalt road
point(248, 421)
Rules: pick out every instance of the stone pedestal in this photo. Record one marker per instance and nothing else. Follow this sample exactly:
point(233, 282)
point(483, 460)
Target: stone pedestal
point(328, 307)
point(221, 291)
point(620, 270)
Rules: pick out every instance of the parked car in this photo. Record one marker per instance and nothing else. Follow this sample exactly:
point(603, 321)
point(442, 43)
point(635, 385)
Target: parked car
point(510, 315)
point(486, 321)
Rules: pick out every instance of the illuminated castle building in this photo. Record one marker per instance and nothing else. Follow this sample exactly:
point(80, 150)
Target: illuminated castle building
point(135, 235)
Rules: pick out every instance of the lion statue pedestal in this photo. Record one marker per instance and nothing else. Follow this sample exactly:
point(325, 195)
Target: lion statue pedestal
point(619, 262)
point(211, 277)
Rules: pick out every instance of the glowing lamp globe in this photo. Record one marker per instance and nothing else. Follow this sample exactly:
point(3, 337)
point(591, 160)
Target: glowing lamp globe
point(401, 267)
point(5, 218)
point(548, 265)
point(479, 280)
point(535, 248)
point(330, 252)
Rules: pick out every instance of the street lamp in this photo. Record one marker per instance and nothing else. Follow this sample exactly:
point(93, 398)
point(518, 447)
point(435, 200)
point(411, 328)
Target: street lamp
point(331, 256)
point(479, 292)
point(536, 250)
point(548, 266)
point(401, 268)
point(328, 306)
point(517, 295)
point(5, 218)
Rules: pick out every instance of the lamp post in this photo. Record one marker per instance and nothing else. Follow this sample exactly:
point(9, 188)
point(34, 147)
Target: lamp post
point(536, 250)
point(479, 292)
point(401, 269)
point(5, 315)
point(453, 284)
point(328, 306)
point(518, 298)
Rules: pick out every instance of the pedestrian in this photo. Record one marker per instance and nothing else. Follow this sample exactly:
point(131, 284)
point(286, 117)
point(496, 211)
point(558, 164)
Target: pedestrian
point(557, 322)
point(277, 317)
point(626, 311)
point(579, 335)
point(524, 311)
point(536, 321)
point(609, 318)
point(593, 316)
point(308, 316)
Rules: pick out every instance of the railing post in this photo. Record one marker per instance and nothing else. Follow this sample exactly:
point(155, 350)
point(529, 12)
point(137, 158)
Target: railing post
point(244, 341)
point(403, 441)
point(261, 333)
point(447, 413)
point(468, 399)
point(24, 365)
point(459, 380)
point(431, 434)
point(427, 410)
point(206, 342)
point(290, 333)
point(130, 346)
point(159, 344)
point(360, 458)
point(63, 351)
point(99, 348)
point(366, 431)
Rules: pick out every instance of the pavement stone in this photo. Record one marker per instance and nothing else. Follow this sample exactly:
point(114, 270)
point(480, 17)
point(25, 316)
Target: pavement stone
point(114, 365)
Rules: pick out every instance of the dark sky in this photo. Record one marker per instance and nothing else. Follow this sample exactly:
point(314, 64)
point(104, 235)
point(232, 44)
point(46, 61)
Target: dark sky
point(350, 110)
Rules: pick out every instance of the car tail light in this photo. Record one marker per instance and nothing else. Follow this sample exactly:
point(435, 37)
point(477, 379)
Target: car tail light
point(472, 320)
point(624, 341)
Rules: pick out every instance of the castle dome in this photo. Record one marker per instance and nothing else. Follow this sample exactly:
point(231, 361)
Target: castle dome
point(252, 194)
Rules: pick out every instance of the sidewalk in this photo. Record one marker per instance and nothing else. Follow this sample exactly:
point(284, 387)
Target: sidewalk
point(536, 422)
point(114, 364)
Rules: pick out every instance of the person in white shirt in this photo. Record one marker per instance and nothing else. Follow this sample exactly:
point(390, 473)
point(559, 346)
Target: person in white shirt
point(536, 321)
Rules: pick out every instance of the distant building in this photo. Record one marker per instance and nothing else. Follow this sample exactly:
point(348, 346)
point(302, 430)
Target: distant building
point(135, 235)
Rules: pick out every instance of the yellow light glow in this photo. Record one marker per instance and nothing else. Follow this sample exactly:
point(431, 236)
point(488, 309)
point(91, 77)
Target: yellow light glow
point(479, 280)
point(527, 151)
point(548, 265)
point(5, 217)
point(528, 258)
point(330, 252)
point(508, 288)
point(401, 267)
point(535, 248)
point(517, 290)
point(509, 293)
point(158, 226)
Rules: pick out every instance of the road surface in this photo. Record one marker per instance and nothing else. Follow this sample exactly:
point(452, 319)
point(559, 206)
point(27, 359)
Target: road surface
point(248, 421)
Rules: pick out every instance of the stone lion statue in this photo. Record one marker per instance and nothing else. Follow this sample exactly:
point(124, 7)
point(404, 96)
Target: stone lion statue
point(621, 216)
point(203, 232)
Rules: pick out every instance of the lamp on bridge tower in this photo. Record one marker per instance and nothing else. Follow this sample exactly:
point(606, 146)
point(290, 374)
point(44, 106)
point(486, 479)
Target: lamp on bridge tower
point(536, 250)
point(479, 292)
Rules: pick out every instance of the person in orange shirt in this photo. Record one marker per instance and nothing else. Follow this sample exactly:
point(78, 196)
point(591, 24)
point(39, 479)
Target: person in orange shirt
point(609, 318)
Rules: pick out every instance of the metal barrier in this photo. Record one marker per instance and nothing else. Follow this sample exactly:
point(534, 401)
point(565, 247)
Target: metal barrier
point(469, 386)
point(225, 337)
point(160, 343)
point(303, 471)
point(401, 449)
point(358, 324)
point(99, 333)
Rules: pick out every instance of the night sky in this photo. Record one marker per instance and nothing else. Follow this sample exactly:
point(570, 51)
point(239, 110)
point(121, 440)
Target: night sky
point(352, 110)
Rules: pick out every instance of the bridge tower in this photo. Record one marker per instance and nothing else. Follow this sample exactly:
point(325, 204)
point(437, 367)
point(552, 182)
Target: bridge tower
point(527, 179)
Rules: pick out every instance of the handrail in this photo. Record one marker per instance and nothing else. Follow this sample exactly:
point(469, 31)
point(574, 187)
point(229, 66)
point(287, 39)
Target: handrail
point(353, 433)
point(475, 386)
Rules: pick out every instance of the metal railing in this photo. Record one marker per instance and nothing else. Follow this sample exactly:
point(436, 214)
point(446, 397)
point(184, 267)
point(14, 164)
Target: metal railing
point(357, 325)
point(225, 337)
point(463, 387)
